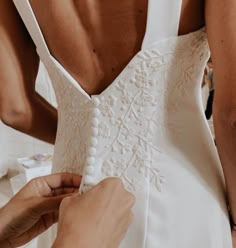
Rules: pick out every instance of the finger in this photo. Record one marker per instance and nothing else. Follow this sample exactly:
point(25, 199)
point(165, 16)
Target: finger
point(64, 191)
point(41, 226)
point(45, 205)
point(63, 180)
point(46, 184)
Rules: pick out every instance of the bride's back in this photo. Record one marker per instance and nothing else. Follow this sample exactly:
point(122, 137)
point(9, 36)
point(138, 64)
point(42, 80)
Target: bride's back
point(94, 40)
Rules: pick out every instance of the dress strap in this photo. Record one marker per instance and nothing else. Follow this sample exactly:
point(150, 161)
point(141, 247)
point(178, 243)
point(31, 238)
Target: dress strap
point(27, 14)
point(162, 20)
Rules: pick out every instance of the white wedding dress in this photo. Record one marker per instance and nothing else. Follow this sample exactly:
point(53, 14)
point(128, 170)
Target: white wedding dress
point(147, 128)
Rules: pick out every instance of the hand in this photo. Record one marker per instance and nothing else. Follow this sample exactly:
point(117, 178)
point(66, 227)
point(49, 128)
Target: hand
point(98, 218)
point(35, 208)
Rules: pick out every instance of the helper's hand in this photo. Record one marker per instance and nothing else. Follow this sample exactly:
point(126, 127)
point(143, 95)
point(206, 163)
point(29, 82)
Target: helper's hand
point(35, 208)
point(98, 218)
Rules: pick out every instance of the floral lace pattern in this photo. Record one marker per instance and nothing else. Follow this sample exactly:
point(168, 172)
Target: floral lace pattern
point(137, 112)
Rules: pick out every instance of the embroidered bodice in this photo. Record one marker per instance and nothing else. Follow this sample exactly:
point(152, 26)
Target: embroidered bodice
point(120, 132)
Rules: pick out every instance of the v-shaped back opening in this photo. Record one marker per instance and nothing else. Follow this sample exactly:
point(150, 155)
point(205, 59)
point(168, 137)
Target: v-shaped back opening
point(153, 33)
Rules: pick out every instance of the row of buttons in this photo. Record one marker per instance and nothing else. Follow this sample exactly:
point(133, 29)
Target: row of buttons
point(89, 178)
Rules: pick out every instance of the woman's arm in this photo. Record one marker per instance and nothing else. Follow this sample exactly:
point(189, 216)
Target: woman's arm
point(221, 29)
point(20, 106)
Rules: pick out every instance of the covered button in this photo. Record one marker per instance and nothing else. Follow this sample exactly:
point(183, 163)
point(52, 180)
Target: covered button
point(90, 160)
point(96, 101)
point(94, 141)
point(89, 180)
point(90, 170)
point(96, 112)
point(95, 122)
point(94, 131)
point(92, 151)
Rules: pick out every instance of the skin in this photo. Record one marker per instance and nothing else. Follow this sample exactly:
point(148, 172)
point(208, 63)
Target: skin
point(44, 200)
point(98, 218)
point(101, 58)
point(35, 208)
point(20, 106)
